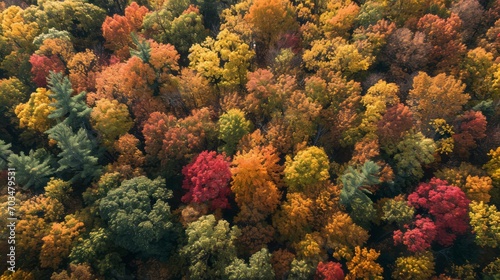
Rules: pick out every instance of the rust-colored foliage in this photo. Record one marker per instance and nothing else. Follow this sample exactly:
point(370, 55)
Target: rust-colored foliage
point(471, 127)
point(329, 271)
point(117, 29)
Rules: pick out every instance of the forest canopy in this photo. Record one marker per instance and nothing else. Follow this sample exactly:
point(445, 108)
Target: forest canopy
point(250, 139)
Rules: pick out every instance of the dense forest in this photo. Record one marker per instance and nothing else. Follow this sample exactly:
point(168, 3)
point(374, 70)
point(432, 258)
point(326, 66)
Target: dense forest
point(251, 139)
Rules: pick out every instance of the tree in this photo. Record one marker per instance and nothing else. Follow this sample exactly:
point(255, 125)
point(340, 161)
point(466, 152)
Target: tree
point(419, 267)
point(329, 271)
point(77, 161)
point(269, 20)
point(447, 205)
point(471, 127)
point(363, 265)
point(75, 272)
point(131, 211)
point(34, 114)
point(446, 40)
point(42, 65)
point(419, 236)
point(57, 244)
point(97, 249)
point(343, 236)
point(294, 217)
point(259, 267)
point(356, 182)
point(413, 151)
point(154, 130)
point(281, 260)
point(232, 127)
point(111, 119)
point(485, 223)
point(131, 160)
point(307, 169)
point(206, 179)
point(117, 29)
point(397, 211)
point(12, 93)
point(394, 123)
point(38, 213)
point(70, 109)
point(32, 170)
point(493, 165)
point(406, 51)
point(222, 61)
point(336, 54)
point(210, 247)
point(255, 182)
point(83, 68)
point(441, 96)
point(376, 101)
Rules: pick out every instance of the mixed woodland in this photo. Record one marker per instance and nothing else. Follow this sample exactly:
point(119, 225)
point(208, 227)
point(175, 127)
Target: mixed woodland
point(251, 139)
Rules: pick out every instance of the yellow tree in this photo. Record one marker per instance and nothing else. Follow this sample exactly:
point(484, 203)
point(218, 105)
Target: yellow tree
point(223, 61)
point(376, 101)
point(111, 119)
point(34, 113)
point(294, 218)
point(57, 244)
point(343, 235)
point(363, 265)
point(269, 20)
point(438, 97)
point(418, 267)
point(307, 170)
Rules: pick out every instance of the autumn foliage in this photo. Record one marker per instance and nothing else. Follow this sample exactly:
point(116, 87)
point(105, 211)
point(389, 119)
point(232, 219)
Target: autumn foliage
point(250, 139)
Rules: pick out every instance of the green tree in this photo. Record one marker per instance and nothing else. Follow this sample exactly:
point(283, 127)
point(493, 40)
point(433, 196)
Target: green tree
point(139, 217)
point(77, 157)
point(307, 169)
point(32, 170)
point(70, 109)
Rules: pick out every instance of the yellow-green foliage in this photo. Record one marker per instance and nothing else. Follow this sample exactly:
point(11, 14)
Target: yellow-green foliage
point(308, 167)
point(232, 127)
point(397, 211)
point(485, 222)
point(418, 267)
point(111, 119)
point(58, 189)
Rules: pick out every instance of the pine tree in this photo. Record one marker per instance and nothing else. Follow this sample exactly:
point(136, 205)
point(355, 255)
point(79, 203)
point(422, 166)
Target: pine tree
point(77, 159)
point(32, 170)
point(70, 110)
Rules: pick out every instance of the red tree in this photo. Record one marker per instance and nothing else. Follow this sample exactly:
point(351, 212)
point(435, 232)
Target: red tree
point(41, 65)
point(207, 180)
point(419, 237)
point(446, 204)
point(329, 271)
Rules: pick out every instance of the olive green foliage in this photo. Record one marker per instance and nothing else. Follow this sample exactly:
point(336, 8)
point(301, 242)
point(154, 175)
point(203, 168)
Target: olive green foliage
point(210, 248)
point(259, 267)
